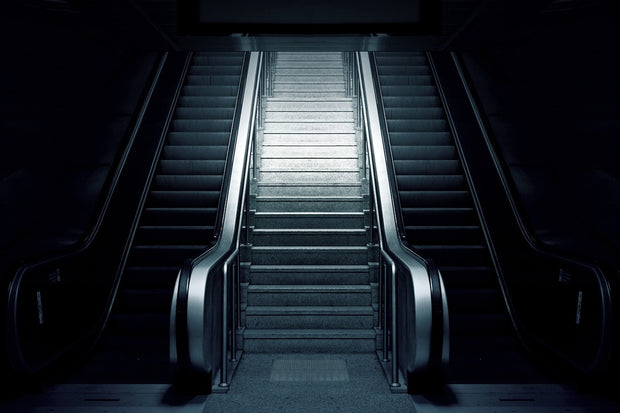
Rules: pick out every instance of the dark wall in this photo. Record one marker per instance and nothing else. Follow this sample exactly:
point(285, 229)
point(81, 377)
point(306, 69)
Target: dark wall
point(549, 88)
point(69, 88)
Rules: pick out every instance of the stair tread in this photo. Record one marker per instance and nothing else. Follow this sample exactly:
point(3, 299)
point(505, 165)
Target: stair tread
point(307, 268)
point(308, 288)
point(302, 310)
point(310, 333)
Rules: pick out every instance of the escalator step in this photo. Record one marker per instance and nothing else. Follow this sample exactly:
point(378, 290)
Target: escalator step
point(420, 138)
point(430, 182)
point(413, 59)
point(198, 138)
point(198, 152)
point(424, 152)
point(156, 235)
point(409, 90)
point(410, 79)
point(428, 167)
point(441, 199)
point(411, 101)
point(206, 60)
point(143, 300)
point(191, 90)
point(413, 113)
point(439, 216)
point(215, 70)
point(188, 182)
point(212, 80)
point(201, 125)
point(453, 255)
point(164, 255)
point(194, 199)
point(205, 113)
point(207, 101)
point(418, 125)
point(191, 166)
point(468, 277)
point(154, 277)
point(179, 216)
point(399, 70)
point(466, 235)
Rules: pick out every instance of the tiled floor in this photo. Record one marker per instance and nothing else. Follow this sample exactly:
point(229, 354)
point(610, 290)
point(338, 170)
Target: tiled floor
point(310, 383)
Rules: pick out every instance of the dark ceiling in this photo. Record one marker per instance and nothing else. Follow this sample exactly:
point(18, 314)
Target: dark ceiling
point(465, 24)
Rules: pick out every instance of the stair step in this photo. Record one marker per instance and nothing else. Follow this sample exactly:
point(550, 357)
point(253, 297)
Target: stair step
point(217, 59)
point(306, 317)
point(309, 237)
point(309, 274)
point(302, 177)
point(416, 113)
point(307, 127)
point(305, 255)
point(308, 139)
point(309, 204)
point(307, 220)
point(302, 116)
point(309, 340)
point(411, 101)
point(307, 87)
point(416, 138)
point(309, 295)
point(191, 166)
point(321, 106)
point(309, 189)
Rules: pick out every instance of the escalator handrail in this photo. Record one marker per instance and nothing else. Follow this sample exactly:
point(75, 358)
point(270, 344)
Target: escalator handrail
point(231, 146)
point(605, 349)
point(190, 296)
point(14, 346)
point(425, 279)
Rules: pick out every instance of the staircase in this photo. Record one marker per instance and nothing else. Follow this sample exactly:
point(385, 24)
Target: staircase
point(177, 222)
point(440, 220)
point(310, 283)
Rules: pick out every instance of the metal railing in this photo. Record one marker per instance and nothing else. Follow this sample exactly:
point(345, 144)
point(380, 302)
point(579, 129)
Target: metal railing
point(205, 313)
point(413, 312)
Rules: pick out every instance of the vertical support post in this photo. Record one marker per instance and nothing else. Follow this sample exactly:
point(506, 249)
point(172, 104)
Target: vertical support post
point(395, 382)
point(385, 311)
point(233, 308)
point(224, 370)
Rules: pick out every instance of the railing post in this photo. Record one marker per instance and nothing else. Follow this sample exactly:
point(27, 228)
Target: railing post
point(385, 310)
point(224, 370)
point(395, 382)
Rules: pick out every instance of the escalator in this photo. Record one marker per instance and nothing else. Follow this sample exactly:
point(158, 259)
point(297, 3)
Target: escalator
point(177, 222)
point(441, 223)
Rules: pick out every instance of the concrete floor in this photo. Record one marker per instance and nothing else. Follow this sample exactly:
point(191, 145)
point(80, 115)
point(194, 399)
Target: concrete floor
point(310, 383)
